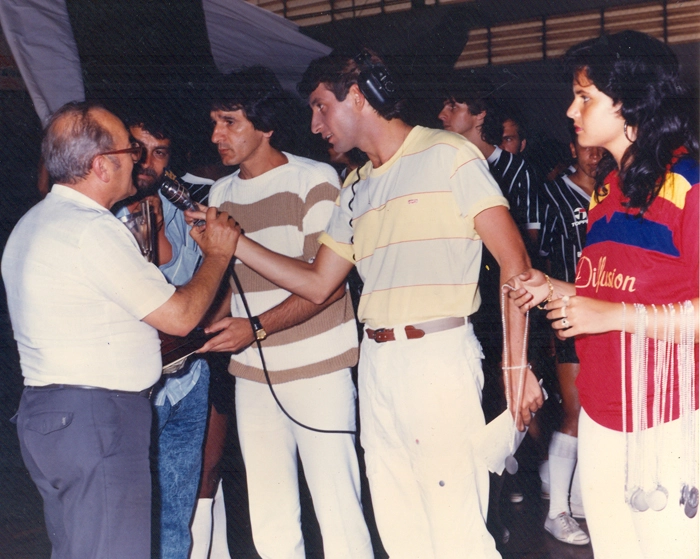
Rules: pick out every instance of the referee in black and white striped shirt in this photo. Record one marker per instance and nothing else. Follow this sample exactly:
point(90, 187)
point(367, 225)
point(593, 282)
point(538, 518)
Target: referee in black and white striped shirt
point(565, 218)
point(565, 202)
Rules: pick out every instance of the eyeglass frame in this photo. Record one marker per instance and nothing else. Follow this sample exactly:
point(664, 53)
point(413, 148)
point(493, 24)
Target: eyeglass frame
point(131, 150)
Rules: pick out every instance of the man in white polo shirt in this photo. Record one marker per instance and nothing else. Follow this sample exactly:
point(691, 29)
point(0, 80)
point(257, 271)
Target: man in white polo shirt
point(85, 308)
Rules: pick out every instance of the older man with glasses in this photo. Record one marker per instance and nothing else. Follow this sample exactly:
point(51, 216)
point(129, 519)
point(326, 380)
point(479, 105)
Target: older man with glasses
point(85, 309)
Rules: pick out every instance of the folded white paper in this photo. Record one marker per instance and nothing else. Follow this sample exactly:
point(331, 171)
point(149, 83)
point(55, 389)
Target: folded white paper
point(497, 440)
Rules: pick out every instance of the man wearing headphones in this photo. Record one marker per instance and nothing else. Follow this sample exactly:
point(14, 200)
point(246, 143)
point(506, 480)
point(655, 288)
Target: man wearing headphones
point(284, 201)
point(412, 219)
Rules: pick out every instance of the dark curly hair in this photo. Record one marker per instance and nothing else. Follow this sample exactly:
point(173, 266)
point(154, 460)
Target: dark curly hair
point(475, 94)
point(157, 125)
point(338, 72)
point(467, 89)
point(642, 75)
point(257, 92)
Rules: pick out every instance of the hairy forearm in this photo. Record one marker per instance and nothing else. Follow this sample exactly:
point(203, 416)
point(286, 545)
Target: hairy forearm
point(515, 321)
point(295, 310)
point(235, 334)
point(307, 280)
point(183, 311)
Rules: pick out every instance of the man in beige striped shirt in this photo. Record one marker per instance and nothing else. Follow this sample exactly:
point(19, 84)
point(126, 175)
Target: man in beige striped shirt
point(284, 201)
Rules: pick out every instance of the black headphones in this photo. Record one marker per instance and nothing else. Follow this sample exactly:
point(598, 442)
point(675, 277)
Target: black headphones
point(375, 82)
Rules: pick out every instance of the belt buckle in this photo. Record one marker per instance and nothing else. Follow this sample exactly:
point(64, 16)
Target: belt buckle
point(382, 335)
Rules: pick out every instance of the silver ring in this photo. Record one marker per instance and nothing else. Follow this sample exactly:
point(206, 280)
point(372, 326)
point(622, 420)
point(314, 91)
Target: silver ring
point(564, 323)
point(563, 311)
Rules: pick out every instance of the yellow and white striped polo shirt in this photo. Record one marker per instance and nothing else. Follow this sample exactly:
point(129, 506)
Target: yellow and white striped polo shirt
point(409, 228)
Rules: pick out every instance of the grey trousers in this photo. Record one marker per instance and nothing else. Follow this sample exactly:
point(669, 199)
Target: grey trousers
point(87, 453)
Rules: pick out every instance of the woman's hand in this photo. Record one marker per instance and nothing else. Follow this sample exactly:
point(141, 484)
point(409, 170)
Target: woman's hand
point(574, 315)
point(528, 289)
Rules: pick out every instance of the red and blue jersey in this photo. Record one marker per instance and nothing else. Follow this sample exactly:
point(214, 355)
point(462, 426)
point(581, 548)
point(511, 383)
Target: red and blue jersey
point(633, 259)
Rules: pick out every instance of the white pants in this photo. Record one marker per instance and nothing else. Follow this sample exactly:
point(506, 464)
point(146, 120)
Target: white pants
point(269, 443)
point(420, 400)
point(617, 532)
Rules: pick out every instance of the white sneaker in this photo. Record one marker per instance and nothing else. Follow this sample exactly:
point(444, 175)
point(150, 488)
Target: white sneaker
point(566, 529)
point(577, 510)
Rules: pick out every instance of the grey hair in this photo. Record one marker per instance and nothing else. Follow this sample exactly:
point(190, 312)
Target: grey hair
point(72, 139)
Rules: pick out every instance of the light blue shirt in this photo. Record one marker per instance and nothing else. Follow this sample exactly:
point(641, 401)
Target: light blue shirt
point(182, 266)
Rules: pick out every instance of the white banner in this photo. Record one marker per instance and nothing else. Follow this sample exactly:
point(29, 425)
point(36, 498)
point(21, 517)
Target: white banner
point(241, 34)
point(41, 40)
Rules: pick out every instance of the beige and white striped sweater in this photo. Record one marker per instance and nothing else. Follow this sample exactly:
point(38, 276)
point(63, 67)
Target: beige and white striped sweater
point(285, 209)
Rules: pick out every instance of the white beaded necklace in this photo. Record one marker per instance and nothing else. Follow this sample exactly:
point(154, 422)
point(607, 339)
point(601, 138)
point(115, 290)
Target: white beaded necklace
point(511, 462)
point(637, 495)
point(657, 496)
point(639, 442)
point(686, 389)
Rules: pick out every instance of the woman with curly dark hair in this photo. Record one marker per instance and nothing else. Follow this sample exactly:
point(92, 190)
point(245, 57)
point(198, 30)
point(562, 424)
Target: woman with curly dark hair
point(632, 307)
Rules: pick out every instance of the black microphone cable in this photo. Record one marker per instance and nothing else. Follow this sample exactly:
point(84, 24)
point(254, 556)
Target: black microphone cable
point(264, 366)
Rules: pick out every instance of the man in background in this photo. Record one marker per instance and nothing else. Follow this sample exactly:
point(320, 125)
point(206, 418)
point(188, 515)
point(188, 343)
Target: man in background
point(180, 400)
point(514, 138)
point(565, 218)
point(469, 112)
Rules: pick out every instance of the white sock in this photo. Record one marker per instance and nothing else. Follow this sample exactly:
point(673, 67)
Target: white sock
point(544, 472)
point(219, 539)
point(201, 529)
point(576, 487)
point(562, 460)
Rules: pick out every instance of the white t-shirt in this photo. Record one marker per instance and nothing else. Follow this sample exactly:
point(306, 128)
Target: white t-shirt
point(77, 289)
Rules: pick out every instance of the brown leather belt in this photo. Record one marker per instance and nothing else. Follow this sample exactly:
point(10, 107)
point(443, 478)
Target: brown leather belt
point(415, 331)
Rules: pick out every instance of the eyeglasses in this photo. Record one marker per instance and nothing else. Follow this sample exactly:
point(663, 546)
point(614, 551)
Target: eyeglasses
point(136, 151)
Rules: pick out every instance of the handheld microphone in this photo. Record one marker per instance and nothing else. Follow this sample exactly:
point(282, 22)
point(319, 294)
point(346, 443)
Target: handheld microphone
point(177, 194)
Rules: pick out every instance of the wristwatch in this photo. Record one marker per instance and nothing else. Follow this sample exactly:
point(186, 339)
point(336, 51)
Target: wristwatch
point(258, 329)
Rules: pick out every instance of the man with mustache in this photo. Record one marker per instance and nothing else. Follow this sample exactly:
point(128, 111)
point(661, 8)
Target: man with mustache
point(514, 138)
point(180, 401)
point(284, 201)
